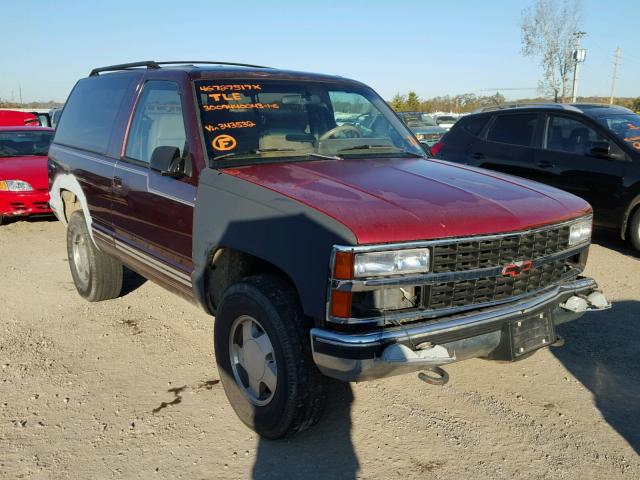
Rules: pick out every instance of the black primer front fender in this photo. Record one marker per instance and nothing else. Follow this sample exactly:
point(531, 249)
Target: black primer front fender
point(234, 213)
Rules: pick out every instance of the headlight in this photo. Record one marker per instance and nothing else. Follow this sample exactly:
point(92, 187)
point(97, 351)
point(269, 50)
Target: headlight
point(396, 262)
point(14, 186)
point(580, 232)
point(419, 136)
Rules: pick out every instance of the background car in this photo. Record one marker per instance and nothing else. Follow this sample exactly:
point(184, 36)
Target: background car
point(17, 118)
point(54, 115)
point(24, 184)
point(590, 150)
point(446, 121)
point(423, 126)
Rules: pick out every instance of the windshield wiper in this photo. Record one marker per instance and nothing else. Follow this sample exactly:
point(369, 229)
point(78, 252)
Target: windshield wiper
point(326, 157)
point(264, 150)
point(371, 147)
point(252, 152)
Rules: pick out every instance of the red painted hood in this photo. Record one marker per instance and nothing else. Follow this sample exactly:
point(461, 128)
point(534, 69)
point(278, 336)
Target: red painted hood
point(28, 169)
point(397, 200)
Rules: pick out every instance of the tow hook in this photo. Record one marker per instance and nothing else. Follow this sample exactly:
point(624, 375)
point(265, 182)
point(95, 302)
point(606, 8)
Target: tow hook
point(439, 378)
point(427, 355)
point(583, 303)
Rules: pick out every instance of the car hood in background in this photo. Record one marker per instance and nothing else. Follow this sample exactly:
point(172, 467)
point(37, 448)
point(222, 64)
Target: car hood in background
point(428, 130)
point(398, 200)
point(28, 169)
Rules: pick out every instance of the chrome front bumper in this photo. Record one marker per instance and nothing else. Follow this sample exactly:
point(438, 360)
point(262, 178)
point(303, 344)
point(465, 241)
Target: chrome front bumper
point(400, 349)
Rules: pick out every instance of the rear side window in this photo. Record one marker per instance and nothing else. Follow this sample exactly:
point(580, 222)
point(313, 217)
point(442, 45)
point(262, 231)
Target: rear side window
point(90, 112)
point(517, 129)
point(474, 125)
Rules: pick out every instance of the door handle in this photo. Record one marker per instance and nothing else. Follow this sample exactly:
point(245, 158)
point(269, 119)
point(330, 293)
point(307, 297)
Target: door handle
point(545, 164)
point(478, 155)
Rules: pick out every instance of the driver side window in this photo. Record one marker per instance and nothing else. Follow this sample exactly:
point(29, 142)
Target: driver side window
point(565, 134)
point(157, 122)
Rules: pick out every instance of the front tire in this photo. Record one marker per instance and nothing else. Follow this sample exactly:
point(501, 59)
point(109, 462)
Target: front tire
point(634, 229)
point(96, 275)
point(264, 359)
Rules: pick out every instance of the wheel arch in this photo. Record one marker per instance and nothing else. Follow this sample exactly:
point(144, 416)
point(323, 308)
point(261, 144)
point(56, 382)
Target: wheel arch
point(63, 184)
point(228, 265)
point(632, 207)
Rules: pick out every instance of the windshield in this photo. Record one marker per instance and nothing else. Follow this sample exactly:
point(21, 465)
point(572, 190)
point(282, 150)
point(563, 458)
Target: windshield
point(249, 121)
point(625, 126)
point(21, 143)
point(447, 120)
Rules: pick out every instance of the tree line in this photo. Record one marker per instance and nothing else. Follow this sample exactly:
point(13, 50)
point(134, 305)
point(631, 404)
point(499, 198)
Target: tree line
point(464, 103)
point(9, 104)
point(468, 102)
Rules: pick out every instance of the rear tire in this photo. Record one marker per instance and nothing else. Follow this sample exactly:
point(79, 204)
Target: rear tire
point(96, 275)
point(263, 354)
point(634, 229)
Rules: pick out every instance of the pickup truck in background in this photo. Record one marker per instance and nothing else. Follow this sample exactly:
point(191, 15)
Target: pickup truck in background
point(323, 249)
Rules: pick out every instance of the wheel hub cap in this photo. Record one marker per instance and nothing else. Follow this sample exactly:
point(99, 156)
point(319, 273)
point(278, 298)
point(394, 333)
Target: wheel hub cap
point(253, 360)
point(81, 257)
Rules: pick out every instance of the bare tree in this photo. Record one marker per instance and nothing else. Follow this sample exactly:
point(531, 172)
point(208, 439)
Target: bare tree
point(548, 28)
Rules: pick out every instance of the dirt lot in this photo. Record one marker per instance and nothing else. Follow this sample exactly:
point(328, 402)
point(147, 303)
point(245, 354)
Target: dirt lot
point(129, 389)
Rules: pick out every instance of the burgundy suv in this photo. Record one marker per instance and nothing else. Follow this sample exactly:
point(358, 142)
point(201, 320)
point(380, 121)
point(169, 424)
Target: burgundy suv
point(322, 248)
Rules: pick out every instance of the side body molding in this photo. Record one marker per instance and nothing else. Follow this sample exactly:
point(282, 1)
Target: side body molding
point(297, 239)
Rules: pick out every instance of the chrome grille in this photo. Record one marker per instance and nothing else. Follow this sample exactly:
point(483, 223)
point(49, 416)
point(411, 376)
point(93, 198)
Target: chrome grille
point(474, 254)
point(489, 289)
point(466, 274)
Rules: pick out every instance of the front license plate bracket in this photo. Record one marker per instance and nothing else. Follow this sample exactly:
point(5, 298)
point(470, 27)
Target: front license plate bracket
point(524, 335)
point(530, 333)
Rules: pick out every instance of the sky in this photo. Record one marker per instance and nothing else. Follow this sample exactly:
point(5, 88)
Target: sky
point(431, 47)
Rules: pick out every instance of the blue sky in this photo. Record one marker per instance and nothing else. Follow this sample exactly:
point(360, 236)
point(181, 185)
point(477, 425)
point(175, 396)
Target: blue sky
point(432, 47)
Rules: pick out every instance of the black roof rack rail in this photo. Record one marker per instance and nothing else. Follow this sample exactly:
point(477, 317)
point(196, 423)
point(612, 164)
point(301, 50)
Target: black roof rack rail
point(150, 64)
point(208, 62)
point(507, 106)
point(124, 66)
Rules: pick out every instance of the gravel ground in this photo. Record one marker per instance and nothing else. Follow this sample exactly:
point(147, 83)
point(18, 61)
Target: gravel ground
point(129, 389)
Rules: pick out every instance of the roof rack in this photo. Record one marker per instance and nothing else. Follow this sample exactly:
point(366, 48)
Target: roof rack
point(152, 65)
point(559, 106)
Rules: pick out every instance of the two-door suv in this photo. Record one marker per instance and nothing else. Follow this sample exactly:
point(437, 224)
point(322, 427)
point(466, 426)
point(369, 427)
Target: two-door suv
point(590, 150)
point(323, 250)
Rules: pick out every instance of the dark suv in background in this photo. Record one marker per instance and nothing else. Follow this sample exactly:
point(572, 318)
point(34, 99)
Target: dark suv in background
point(590, 150)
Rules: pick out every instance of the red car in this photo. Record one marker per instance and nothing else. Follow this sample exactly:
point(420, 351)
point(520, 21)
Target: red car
point(24, 188)
point(14, 117)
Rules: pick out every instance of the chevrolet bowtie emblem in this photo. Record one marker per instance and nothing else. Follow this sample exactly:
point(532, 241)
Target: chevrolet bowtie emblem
point(516, 268)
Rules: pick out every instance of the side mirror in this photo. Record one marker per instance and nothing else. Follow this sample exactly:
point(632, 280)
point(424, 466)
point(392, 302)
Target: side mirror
point(601, 149)
point(167, 161)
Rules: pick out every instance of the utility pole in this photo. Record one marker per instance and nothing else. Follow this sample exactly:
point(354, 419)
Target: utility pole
point(615, 74)
point(20, 90)
point(579, 55)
